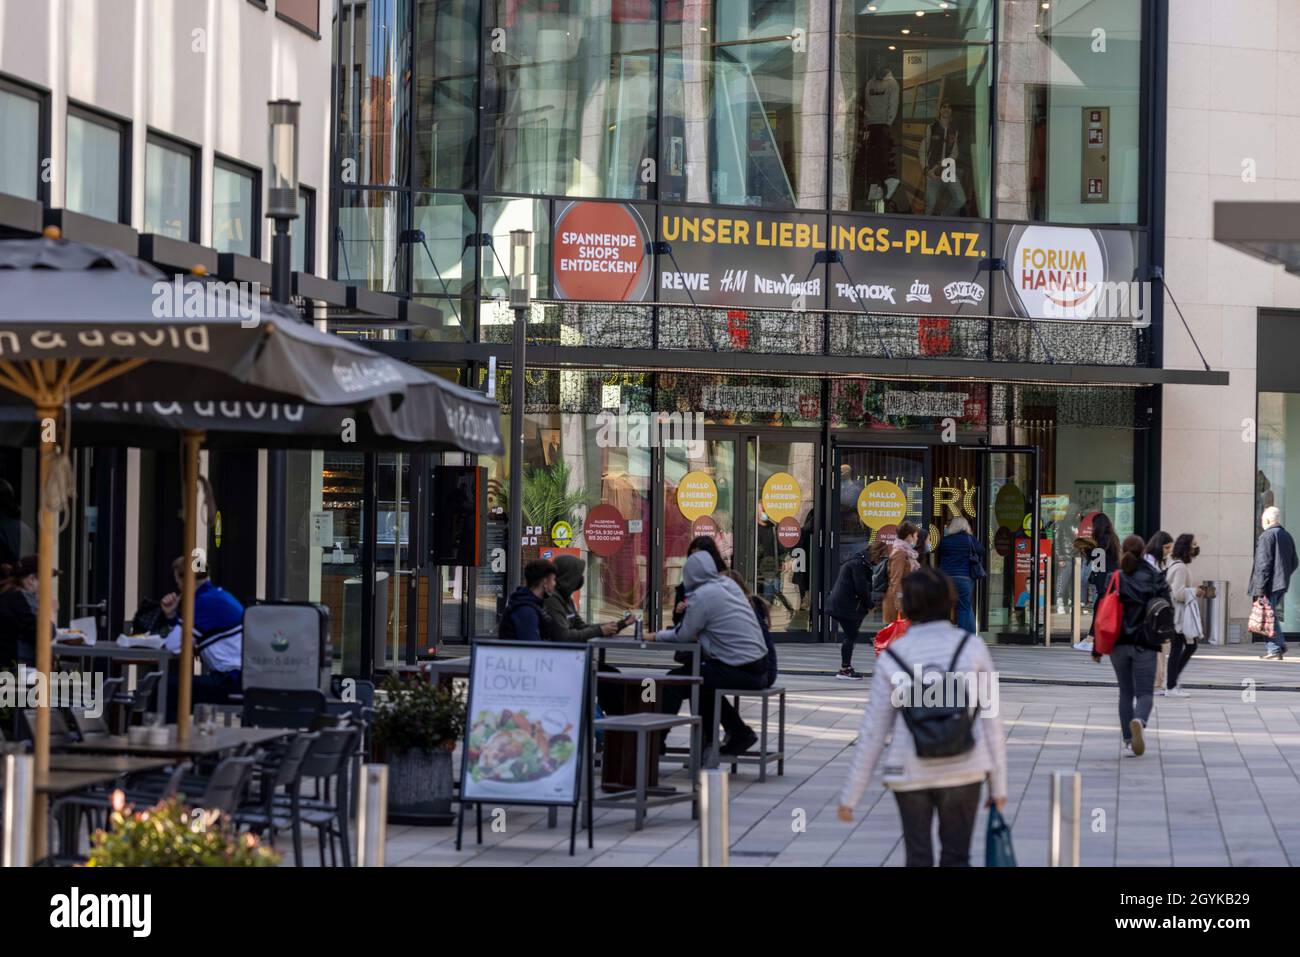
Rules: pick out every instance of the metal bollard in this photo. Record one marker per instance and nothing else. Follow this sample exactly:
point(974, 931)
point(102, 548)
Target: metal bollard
point(715, 829)
point(372, 815)
point(19, 806)
point(1076, 609)
point(1047, 601)
point(1063, 825)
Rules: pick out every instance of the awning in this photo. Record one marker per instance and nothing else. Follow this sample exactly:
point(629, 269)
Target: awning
point(1268, 231)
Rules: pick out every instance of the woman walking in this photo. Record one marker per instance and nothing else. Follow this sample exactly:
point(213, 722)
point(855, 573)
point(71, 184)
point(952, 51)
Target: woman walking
point(849, 602)
point(961, 555)
point(902, 561)
point(1187, 613)
point(924, 787)
point(1133, 658)
point(1156, 554)
point(1103, 565)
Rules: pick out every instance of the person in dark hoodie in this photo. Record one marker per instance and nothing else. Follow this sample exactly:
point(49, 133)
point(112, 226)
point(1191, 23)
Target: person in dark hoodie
point(525, 617)
point(1133, 659)
point(734, 653)
point(848, 603)
point(570, 576)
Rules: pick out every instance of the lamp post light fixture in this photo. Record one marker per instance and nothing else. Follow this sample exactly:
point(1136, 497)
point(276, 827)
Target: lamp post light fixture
point(282, 207)
point(521, 276)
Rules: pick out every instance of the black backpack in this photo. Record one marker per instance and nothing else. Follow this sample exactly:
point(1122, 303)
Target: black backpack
point(1158, 623)
point(940, 731)
point(880, 580)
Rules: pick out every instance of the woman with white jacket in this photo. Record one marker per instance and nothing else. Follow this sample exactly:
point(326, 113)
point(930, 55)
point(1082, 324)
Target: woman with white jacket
point(1187, 613)
point(950, 786)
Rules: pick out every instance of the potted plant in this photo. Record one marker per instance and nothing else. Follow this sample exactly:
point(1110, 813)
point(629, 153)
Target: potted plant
point(416, 727)
point(170, 834)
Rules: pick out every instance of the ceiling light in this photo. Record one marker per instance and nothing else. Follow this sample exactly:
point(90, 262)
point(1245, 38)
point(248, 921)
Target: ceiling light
point(892, 47)
point(905, 31)
point(871, 8)
point(920, 13)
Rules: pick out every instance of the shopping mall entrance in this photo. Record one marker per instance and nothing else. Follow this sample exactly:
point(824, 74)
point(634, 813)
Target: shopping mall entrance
point(877, 487)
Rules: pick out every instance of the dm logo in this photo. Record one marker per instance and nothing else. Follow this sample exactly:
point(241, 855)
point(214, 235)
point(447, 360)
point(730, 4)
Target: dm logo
point(279, 642)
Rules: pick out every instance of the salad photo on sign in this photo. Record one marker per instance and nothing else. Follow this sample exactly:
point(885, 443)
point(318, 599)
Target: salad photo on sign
point(523, 740)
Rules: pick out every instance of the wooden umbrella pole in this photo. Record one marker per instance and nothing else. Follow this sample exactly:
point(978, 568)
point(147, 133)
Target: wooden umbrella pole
point(47, 520)
point(192, 440)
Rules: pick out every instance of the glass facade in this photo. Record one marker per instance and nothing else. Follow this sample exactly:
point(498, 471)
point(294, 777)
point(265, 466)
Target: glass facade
point(679, 160)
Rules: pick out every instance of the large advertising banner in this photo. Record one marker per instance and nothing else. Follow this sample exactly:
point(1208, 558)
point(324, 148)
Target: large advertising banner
point(527, 703)
point(600, 253)
point(741, 258)
point(931, 267)
point(1066, 272)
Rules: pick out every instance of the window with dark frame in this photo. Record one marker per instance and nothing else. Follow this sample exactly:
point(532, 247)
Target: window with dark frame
point(98, 165)
point(303, 232)
point(304, 13)
point(171, 188)
point(236, 208)
point(24, 140)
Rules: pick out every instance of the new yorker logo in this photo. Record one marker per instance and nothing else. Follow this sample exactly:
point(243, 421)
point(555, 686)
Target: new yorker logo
point(76, 910)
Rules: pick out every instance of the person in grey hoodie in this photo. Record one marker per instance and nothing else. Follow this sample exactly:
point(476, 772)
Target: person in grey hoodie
point(734, 653)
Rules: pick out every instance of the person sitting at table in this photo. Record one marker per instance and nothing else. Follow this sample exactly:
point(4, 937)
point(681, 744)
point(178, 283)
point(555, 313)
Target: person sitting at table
point(18, 584)
point(525, 617)
point(218, 638)
point(734, 653)
point(569, 625)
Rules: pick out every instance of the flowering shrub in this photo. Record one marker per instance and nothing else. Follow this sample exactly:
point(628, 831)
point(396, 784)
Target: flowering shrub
point(173, 835)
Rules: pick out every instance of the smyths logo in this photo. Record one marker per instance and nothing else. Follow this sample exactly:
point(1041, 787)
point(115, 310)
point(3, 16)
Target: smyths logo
point(970, 293)
point(76, 910)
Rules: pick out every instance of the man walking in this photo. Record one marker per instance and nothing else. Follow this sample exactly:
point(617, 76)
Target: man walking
point(1275, 562)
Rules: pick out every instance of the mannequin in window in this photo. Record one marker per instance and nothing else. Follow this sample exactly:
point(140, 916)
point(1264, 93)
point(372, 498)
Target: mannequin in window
point(875, 173)
point(942, 178)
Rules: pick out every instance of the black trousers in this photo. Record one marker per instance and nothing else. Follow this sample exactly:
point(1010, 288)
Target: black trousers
point(849, 627)
point(956, 807)
point(714, 674)
point(1180, 650)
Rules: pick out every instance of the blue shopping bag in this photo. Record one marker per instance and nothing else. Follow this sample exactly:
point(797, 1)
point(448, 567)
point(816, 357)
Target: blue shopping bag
point(998, 851)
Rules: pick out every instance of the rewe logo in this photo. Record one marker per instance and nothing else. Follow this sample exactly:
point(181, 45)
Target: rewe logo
point(971, 293)
point(920, 292)
point(131, 911)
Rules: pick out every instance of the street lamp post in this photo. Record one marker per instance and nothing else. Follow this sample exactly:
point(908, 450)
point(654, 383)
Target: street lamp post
point(282, 208)
point(521, 269)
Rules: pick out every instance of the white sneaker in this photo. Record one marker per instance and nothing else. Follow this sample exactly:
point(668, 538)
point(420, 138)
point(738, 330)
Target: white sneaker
point(1085, 645)
point(1162, 692)
point(1178, 693)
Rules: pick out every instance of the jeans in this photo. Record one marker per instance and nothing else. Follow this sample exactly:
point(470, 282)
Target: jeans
point(965, 603)
point(934, 187)
point(1180, 650)
point(850, 628)
point(956, 807)
point(1277, 644)
point(747, 677)
point(1135, 670)
point(211, 687)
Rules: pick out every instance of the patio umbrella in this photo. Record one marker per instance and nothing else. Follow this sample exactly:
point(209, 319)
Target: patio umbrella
point(78, 322)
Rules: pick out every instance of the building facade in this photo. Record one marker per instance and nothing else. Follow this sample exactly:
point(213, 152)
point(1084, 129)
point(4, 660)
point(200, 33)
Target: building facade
point(802, 270)
point(1229, 453)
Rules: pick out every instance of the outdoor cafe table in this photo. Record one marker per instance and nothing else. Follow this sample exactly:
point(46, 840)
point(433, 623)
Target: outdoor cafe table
point(113, 653)
point(618, 765)
point(196, 745)
point(72, 773)
point(116, 763)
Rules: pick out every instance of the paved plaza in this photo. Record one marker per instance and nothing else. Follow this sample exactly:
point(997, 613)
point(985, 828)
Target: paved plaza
point(1217, 786)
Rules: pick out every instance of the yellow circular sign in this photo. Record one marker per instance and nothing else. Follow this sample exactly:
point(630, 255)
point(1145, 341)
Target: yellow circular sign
point(561, 533)
point(881, 503)
point(696, 495)
point(781, 496)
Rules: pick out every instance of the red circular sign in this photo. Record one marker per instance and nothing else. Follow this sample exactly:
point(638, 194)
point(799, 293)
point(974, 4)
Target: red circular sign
point(599, 253)
point(704, 525)
point(605, 530)
point(788, 532)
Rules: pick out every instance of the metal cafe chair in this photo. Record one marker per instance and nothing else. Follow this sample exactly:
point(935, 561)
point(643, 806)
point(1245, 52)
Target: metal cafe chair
point(326, 766)
point(262, 813)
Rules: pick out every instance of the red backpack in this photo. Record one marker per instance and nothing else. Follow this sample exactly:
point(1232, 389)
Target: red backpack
point(1108, 620)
